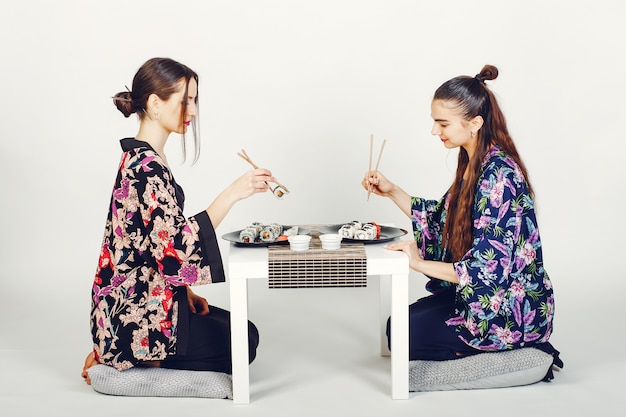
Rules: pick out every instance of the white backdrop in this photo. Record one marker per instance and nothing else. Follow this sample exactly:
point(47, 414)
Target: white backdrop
point(301, 86)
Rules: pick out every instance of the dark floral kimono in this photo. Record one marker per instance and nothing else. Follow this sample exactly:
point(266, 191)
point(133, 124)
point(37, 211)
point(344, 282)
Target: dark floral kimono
point(150, 254)
point(504, 295)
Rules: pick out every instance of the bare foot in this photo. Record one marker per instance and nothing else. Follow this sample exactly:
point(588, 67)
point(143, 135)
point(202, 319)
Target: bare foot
point(90, 361)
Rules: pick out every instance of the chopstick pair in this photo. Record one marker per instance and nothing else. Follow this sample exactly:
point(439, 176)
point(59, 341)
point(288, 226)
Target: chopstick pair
point(369, 186)
point(279, 191)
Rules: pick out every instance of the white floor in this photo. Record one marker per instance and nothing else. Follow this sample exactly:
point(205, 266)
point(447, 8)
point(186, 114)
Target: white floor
point(318, 355)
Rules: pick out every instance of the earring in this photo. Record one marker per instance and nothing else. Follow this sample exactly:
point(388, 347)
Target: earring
point(473, 134)
point(157, 116)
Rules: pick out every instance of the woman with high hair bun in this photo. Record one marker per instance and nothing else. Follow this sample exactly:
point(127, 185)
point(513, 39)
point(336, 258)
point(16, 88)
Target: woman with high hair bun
point(479, 244)
point(143, 310)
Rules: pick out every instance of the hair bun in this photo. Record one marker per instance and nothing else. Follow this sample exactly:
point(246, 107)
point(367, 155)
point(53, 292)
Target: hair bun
point(124, 103)
point(489, 72)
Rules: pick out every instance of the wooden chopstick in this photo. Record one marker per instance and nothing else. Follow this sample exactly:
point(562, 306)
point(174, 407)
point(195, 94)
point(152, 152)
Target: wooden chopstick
point(380, 154)
point(245, 156)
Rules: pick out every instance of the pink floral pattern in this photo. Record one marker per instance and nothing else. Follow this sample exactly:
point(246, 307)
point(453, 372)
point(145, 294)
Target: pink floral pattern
point(504, 296)
point(148, 252)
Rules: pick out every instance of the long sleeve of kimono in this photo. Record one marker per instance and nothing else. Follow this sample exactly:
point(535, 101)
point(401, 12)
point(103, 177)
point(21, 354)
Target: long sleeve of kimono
point(428, 217)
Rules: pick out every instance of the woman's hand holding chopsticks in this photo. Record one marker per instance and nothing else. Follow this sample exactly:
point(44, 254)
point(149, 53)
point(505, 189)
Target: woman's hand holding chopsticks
point(279, 191)
point(375, 182)
point(252, 182)
point(378, 184)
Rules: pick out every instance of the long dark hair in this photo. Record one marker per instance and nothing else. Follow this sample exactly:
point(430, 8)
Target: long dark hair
point(473, 98)
point(159, 76)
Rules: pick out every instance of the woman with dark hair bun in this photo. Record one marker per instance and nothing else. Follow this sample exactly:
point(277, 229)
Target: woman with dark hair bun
point(479, 244)
point(143, 310)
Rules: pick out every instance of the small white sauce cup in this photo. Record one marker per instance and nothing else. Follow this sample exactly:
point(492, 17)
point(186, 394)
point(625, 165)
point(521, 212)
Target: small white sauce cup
point(330, 241)
point(299, 242)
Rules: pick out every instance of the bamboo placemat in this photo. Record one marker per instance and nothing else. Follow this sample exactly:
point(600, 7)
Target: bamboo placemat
point(317, 267)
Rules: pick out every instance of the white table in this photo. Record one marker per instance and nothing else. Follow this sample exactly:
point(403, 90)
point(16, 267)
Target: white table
point(246, 263)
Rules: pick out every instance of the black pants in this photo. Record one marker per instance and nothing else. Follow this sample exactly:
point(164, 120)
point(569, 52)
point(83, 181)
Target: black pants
point(430, 338)
point(208, 343)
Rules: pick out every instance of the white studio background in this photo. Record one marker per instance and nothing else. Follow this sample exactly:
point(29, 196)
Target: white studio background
point(301, 86)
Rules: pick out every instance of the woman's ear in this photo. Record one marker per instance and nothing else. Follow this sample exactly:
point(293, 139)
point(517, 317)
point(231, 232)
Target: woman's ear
point(152, 104)
point(476, 123)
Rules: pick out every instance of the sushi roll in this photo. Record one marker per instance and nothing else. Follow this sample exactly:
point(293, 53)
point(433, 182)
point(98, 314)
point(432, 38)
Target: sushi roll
point(347, 231)
point(372, 231)
point(280, 191)
point(356, 224)
point(277, 228)
point(361, 235)
point(268, 234)
point(257, 226)
point(292, 231)
point(248, 235)
point(377, 227)
point(360, 231)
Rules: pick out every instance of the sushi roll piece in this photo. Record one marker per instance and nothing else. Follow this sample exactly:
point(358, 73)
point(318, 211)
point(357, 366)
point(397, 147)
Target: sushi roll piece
point(277, 228)
point(347, 231)
point(268, 234)
point(361, 235)
point(371, 230)
point(356, 224)
point(257, 226)
point(280, 191)
point(377, 227)
point(292, 231)
point(248, 235)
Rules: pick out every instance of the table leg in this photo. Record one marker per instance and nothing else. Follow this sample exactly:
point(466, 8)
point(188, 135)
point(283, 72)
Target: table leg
point(400, 337)
point(239, 340)
point(385, 311)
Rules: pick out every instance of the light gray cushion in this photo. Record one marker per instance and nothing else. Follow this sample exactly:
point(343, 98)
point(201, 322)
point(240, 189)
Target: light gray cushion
point(160, 382)
point(485, 370)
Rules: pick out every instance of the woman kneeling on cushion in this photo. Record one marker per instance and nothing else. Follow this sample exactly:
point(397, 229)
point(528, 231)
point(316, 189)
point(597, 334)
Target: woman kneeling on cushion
point(143, 310)
point(479, 244)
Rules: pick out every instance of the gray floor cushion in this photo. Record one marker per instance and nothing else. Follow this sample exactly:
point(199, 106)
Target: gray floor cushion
point(158, 382)
point(485, 370)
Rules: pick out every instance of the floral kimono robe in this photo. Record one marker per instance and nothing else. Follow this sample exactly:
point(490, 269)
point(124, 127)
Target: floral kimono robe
point(150, 253)
point(504, 296)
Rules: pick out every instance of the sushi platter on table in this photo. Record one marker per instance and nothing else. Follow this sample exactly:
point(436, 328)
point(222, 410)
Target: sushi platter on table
point(259, 235)
point(366, 232)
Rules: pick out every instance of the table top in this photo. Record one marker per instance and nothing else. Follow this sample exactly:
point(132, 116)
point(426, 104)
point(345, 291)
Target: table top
point(252, 262)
